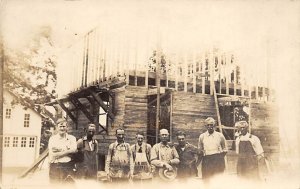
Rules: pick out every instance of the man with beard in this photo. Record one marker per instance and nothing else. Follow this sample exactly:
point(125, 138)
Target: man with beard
point(141, 152)
point(162, 154)
point(249, 149)
point(119, 162)
point(61, 147)
point(88, 147)
point(189, 157)
point(213, 146)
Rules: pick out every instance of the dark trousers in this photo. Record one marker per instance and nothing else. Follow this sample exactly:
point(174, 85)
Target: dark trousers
point(59, 172)
point(212, 165)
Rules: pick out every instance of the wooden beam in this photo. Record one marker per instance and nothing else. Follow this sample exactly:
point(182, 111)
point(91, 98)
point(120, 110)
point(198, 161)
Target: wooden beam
point(227, 73)
point(101, 103)
point(87, 114)
point(211, 64)
point(185, 71)
point(35, 164)
point(203, 63)
point(69, 113)
point(194, 72)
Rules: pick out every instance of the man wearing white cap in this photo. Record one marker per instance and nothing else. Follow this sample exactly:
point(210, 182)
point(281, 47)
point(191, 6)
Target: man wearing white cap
point(213, 146)
point(162, 154)
point(61, 146)
point(249, 149)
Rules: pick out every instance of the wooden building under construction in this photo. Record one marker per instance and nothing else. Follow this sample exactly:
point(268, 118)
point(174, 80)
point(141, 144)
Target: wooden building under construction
point(144, 86)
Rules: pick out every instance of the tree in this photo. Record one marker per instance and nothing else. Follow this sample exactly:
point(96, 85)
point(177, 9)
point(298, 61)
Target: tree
point(30, 72)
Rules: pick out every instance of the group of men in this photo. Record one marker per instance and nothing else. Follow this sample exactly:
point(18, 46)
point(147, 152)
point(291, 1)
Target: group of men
point(164, 161)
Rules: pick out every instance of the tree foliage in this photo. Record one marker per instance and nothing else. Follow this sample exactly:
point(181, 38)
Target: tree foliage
point(30, 72)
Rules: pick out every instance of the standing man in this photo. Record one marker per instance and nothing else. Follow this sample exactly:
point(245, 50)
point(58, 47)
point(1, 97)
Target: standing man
point(213, 146)
point(88, 147)
point(189, 157)
point(249, 149)
point(61, 146)
point(162, 154)
point(141, 152)
point(119, 162)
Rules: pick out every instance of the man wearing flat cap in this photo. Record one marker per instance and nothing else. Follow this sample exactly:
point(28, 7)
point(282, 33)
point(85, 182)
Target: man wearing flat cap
point(162, 154)
point(249, 149)
point(213, 146)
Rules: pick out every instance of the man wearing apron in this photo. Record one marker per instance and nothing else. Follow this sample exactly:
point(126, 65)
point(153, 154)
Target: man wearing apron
point(119, 162)
point(249, 150)
point(89, 147)
point(141, 152)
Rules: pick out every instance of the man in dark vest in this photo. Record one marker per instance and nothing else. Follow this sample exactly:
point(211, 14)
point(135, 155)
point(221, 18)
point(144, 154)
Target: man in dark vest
point(119, 162)
point(189, 157)
point(141, 152)
point(249, 149)
point(88, 147)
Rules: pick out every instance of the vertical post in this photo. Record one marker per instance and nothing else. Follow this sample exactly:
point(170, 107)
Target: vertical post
point(212, 71)
point(158, 59)
point(185, 71)
point(194, 72)
point(1, 106)
point(171, 114)
point(176, 71)
point(219, 73)
point(227, 73)
point(234, 79)
point(203, 60)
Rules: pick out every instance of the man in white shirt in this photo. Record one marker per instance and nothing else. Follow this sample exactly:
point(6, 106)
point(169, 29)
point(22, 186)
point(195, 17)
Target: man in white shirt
point(61, 146)
point(249, 149)
point(213, 146)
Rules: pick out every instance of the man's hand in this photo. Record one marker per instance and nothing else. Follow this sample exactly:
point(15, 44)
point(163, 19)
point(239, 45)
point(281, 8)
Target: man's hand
point(54, 149)
point(223, 153)
point(168, 166)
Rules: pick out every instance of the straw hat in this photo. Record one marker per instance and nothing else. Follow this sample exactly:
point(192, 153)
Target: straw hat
point(167, 175)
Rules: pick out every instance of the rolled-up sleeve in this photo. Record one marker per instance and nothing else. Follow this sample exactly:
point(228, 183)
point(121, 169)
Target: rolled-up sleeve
point(175, 159)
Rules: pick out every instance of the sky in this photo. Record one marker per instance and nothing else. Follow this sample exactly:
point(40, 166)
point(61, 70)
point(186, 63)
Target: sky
point(258, 32)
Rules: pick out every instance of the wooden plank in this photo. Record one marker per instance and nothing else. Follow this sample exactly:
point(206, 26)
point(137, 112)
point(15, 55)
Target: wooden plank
point(101, 103)
point(69, 113)
point(203, 71)
point(185, 71)
point(211, 70)
point(194, 71)
point(227, 72)
point(87, 114)
point(35, 164)
point(176, 71)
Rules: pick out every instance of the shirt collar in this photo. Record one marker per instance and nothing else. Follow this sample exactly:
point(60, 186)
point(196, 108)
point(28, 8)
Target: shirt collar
point(207, 133)
point(161, 144)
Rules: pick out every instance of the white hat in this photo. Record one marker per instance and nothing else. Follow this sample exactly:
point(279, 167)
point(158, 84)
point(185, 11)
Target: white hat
point(167, 175)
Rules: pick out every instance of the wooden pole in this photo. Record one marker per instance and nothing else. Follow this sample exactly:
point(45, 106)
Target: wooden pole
point(1, 107)
point(194, 72)
point(227, 73)
point(158, 59)
point(185, 71)
point(203, 60)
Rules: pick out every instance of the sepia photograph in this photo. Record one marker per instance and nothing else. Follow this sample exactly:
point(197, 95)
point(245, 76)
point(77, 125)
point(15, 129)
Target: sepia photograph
point(152, 94)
